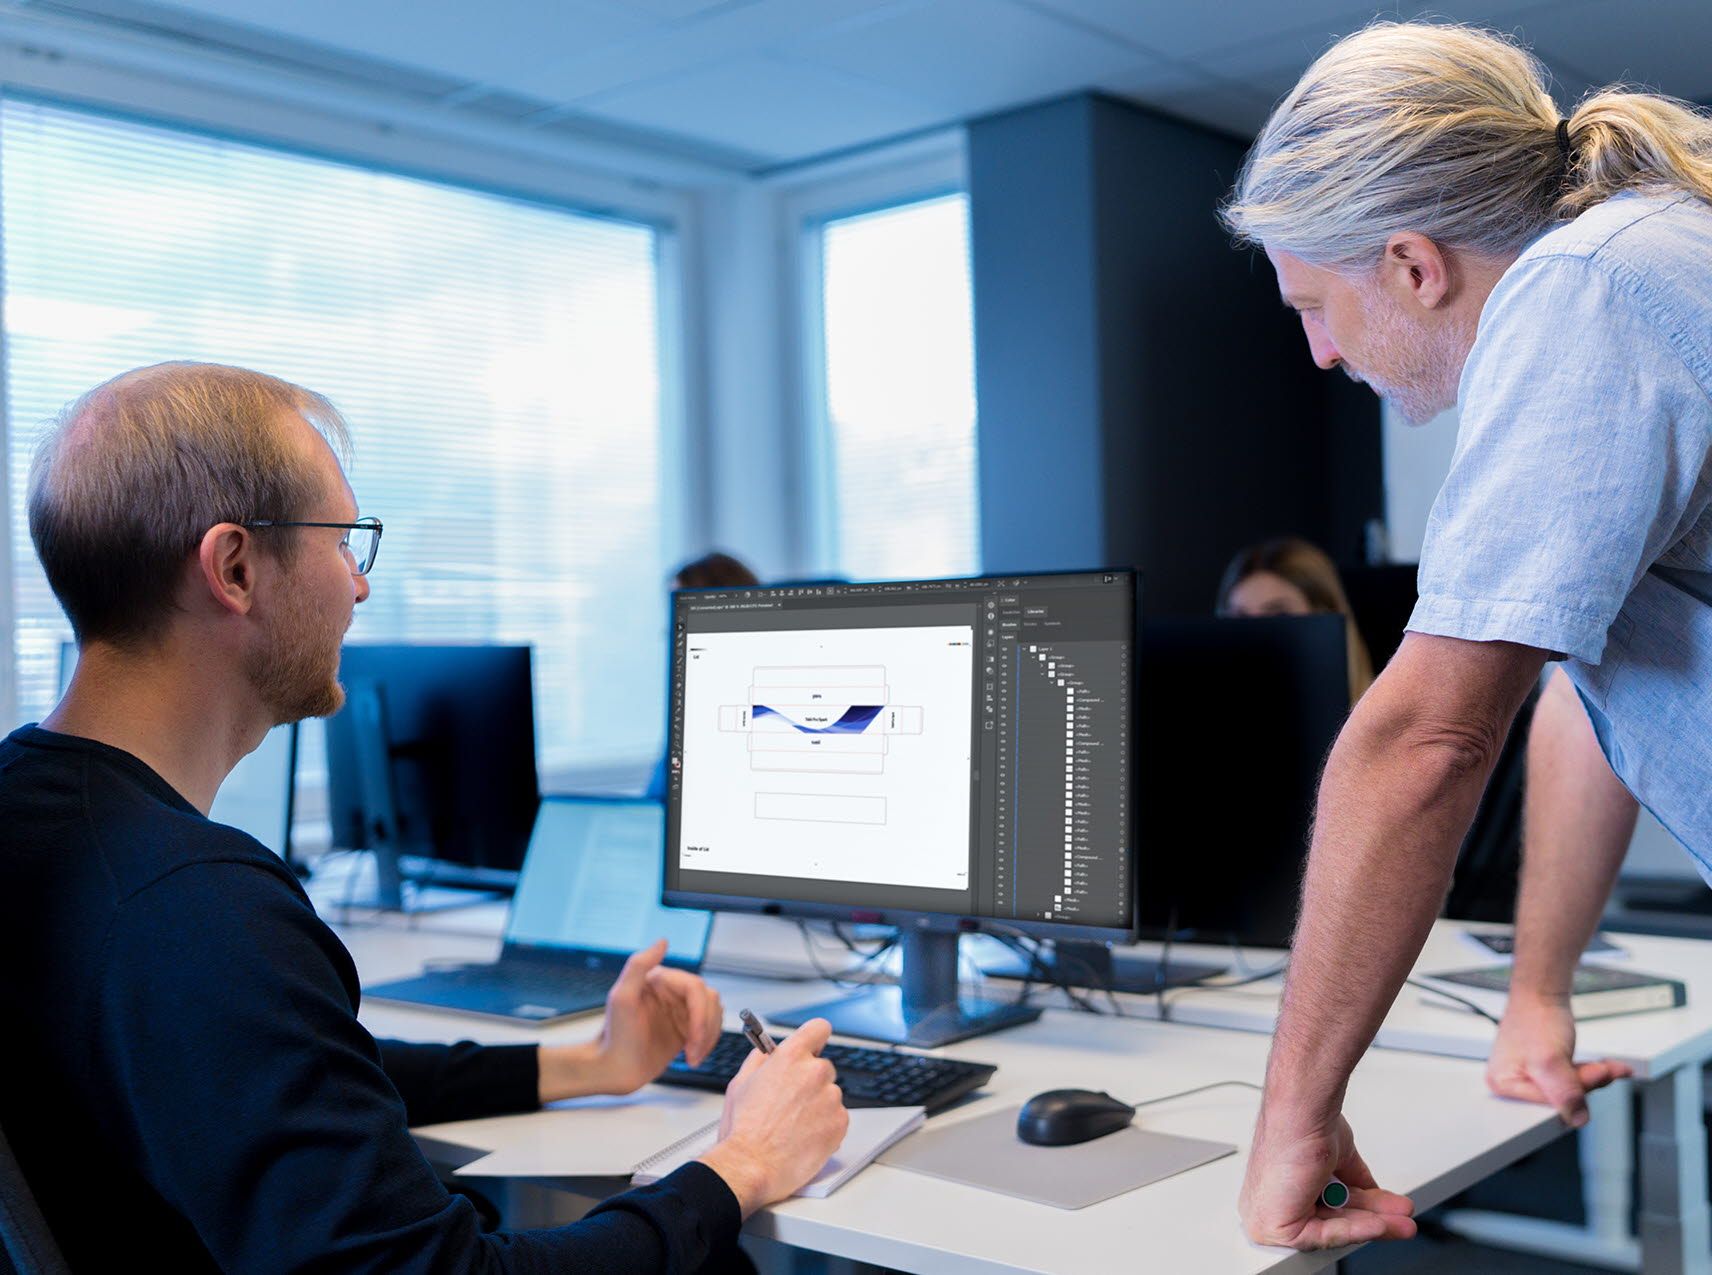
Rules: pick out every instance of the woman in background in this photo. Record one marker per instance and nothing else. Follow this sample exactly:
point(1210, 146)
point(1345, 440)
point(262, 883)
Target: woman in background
point(1290, 576)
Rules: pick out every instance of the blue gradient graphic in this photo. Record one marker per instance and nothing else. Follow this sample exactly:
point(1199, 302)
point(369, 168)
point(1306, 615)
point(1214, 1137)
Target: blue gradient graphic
point(856, 719)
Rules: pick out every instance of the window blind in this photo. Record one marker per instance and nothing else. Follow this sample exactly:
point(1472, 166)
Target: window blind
point(899, 376)
point(498, 361)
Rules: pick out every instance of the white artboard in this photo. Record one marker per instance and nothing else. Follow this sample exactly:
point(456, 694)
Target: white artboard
point(832, 754)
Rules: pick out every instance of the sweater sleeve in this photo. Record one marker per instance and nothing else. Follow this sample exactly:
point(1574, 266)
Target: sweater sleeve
point(465, 1081)
point(260, 1110)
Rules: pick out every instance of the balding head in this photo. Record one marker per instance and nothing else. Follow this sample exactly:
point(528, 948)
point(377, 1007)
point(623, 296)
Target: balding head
point(137, 470)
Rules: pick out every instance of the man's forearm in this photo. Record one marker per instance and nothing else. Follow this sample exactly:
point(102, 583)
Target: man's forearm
point(1390, 822)
point(1400, 790)
point(570, 1071)
point(1578, 819)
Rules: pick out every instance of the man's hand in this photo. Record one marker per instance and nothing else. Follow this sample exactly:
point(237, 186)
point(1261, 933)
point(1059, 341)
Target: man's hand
point(784, 1117)
point(652, 1013)
point(1534, 1059)
point(1280, 1202)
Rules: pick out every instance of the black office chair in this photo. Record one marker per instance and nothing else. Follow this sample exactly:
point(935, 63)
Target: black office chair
point(26, 1245)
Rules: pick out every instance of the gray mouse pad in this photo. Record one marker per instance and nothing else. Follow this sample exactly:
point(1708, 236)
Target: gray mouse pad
point(987, 1153)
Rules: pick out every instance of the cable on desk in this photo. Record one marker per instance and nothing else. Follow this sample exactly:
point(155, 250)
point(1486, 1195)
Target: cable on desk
point(1162, 968)
point(1467, 1004)
point(853, 975)
point(1028, 947)
point(1185, 1093)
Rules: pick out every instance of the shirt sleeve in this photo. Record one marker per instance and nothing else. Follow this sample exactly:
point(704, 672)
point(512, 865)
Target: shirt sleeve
point(1578, 462)
point(258, 1107)
point(465, 1081)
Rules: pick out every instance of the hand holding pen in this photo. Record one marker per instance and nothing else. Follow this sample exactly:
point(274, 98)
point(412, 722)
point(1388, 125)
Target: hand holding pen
point(783, 1118)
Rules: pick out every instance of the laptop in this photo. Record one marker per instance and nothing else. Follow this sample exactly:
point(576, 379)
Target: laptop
point(587, 897)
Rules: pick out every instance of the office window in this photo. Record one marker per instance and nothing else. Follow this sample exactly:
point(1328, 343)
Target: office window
point(498, 361)
point(899, 391)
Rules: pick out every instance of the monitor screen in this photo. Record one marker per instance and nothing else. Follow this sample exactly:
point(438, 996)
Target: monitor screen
point(459, 726)
point(957, 748)
point(256, 797)
point(591, 879)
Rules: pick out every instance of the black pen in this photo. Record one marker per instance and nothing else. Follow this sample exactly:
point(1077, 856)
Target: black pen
point(756, 1033)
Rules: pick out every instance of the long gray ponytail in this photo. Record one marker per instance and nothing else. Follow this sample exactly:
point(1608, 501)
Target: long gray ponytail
point(1449, 131)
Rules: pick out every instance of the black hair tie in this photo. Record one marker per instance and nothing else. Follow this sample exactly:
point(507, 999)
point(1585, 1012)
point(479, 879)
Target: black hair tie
point(1563, 140)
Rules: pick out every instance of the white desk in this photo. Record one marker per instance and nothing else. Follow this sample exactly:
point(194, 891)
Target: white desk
point(1668, 1050)
point(1427, 1126)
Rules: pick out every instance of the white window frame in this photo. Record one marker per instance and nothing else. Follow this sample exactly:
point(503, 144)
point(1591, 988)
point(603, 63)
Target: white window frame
point(220, 98)
point(924, 168)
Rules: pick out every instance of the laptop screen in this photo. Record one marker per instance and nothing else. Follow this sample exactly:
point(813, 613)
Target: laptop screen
point(591, 880)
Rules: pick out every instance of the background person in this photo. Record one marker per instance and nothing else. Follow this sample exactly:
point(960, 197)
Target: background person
point(1291, 576)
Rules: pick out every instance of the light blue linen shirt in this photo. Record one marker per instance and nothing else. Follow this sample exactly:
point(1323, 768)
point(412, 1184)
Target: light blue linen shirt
point(1577, 516)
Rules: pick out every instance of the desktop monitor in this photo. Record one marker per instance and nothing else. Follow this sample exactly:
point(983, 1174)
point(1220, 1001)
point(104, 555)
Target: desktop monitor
point(431, 763)
point(945, 756)
point(1238, 716)
point(257, 796)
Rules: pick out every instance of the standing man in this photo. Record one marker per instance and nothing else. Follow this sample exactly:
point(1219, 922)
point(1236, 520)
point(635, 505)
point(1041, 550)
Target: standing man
point(1450, 239)
point(183, 1033)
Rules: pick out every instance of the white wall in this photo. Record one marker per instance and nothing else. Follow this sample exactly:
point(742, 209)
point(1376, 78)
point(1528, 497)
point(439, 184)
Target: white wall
point(1417, 458)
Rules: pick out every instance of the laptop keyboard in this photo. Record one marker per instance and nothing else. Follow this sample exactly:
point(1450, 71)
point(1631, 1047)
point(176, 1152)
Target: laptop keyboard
point(521, 980)
point(869, 1077)
point(510, 989)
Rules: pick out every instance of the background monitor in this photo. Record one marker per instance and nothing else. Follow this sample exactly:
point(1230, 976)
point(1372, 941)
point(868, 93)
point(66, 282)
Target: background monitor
point(1238, 716)
point(941, 755)
point(257, 796)
point(432, 762)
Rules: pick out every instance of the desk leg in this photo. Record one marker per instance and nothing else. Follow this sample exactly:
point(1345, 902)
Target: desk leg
point(1675, 1225)
point(1606, 1149)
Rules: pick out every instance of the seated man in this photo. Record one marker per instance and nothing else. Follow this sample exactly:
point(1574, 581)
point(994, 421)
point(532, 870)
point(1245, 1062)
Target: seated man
point(186, 1075)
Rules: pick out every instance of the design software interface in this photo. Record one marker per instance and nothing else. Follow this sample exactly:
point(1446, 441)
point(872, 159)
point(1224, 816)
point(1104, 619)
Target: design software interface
point(949, 746)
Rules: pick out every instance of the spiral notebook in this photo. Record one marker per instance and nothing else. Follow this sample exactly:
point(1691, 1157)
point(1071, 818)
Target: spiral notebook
point(872, 1131)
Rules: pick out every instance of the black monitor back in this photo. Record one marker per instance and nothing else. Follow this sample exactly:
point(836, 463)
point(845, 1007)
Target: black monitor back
point(1382, 598)
point(460, 726)
point(1236, 718)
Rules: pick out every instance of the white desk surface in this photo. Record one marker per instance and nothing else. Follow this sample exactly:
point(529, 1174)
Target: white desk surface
point(1654, 1043)
point(1426, 1124)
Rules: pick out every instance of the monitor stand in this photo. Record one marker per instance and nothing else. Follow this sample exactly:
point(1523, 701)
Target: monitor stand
point(926, 1009)
point(1096, 967)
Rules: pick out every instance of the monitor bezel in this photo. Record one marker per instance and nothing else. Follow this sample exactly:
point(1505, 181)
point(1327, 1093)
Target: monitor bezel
point(905, 918)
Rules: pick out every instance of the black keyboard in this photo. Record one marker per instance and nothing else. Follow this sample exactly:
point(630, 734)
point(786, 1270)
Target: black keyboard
point(869, 1077)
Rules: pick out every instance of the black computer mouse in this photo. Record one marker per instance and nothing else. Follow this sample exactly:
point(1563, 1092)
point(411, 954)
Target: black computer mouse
point(1064, 1117)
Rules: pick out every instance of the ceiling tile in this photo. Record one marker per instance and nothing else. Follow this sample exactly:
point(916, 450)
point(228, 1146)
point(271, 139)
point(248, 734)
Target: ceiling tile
point(1298, 45)
point(672, 10)
point(1228, 111)
point(1152, 79)
point(731, 30)
point(1176, 29)
point(782, 110)
point(1665, 45)
point(497, 43)
point(973, 59)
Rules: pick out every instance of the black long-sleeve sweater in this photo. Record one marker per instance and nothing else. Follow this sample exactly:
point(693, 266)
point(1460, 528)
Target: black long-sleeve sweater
point(185, 1078)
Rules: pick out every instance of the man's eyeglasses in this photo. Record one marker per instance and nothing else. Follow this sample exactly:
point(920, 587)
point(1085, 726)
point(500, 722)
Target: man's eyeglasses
point(361, 542)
